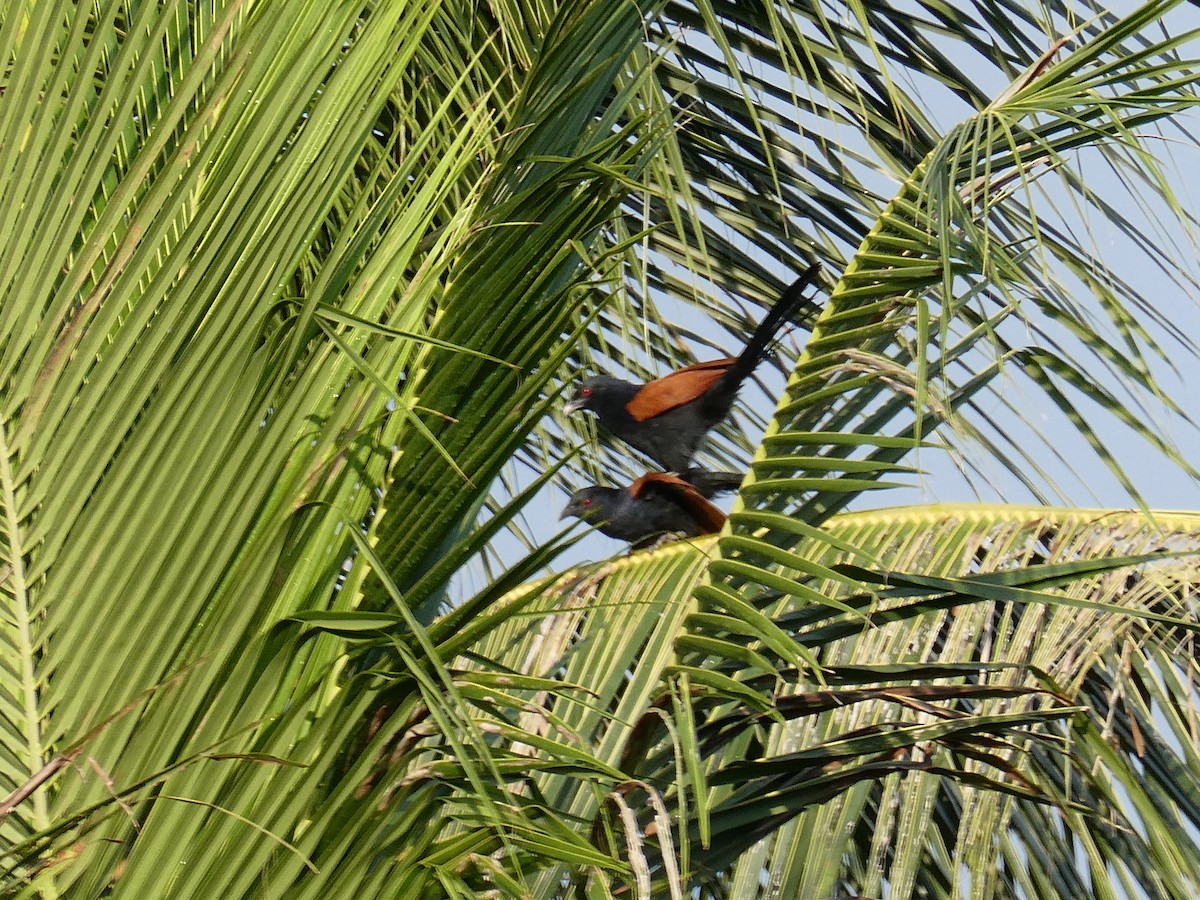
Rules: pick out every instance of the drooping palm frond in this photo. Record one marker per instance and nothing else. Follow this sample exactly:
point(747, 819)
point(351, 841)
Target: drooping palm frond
point(914, 770)
point(286, 287)
point(276, 305)
point(1114, 636)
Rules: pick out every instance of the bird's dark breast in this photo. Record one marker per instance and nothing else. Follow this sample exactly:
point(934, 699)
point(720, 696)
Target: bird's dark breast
point(634, 521)
point(670, 438)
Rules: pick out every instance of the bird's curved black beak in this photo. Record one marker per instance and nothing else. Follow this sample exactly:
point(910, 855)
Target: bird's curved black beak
point(574, 405)
point(567, 512)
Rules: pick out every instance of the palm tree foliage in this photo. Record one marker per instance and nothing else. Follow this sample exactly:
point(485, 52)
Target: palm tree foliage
point(288, 292)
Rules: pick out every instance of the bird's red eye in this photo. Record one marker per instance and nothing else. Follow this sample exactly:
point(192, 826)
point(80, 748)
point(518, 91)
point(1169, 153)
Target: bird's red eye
point(587, 502)
point(585, 392)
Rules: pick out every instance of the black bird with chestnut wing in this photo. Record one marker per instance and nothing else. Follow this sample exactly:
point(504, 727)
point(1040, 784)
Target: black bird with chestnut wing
point(667, 418)
point(656, 505)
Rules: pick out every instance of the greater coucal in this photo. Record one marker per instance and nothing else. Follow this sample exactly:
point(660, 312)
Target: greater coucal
point(667, 418)
point(656, 504)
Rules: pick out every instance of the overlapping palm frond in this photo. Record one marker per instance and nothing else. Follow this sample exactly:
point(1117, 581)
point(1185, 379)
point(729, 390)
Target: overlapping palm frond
point(903, 755)
point(1003, 605)
point(285, 287)
point(257, 321)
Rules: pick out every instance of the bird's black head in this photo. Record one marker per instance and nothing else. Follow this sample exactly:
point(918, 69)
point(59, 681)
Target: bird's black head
point(594, 391)
point(591, 504)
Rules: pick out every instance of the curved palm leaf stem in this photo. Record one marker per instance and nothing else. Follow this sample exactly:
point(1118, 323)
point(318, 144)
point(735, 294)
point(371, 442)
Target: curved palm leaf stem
point(20, 620)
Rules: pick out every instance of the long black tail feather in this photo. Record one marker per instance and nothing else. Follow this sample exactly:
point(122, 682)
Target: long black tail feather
point(709, 484)
point(791, 300)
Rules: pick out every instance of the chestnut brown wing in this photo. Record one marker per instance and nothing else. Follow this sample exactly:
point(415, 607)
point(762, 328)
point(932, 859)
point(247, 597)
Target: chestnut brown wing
point(710, 518)
point(682, 386)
